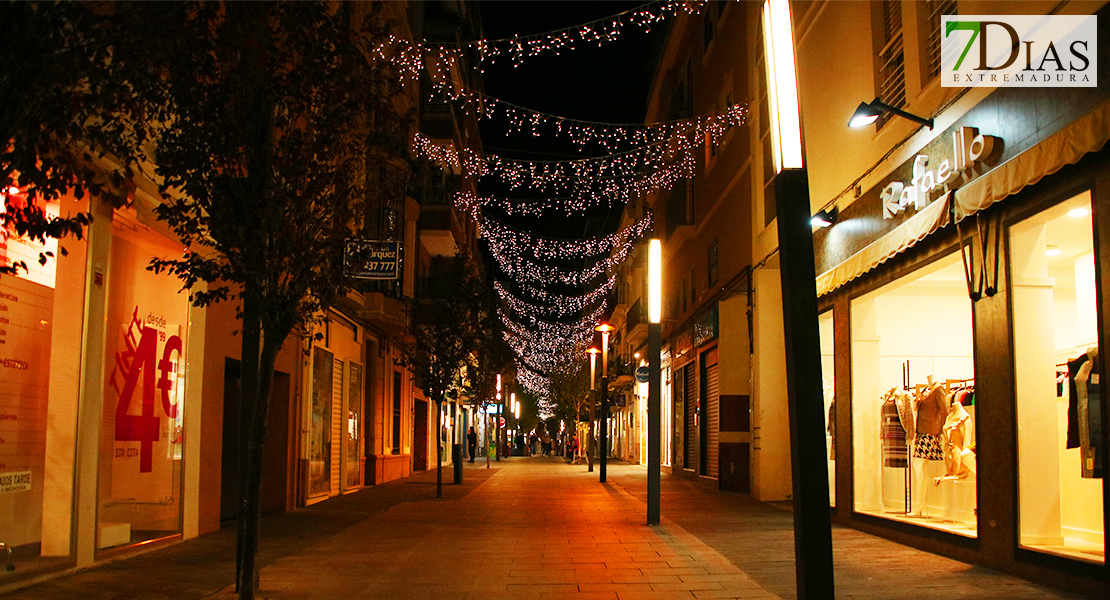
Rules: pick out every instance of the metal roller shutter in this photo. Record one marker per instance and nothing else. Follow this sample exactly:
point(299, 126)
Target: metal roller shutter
point(712, 413)
point(691, 412)
point(337, 418)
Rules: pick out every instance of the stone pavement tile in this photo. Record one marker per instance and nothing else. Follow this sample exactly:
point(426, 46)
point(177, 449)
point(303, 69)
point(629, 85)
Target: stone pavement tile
point(687, 585)
point(615, 587)
point(641, 578)
point(680, 571)
point(755, 594)
point(579, 595)
point(653, 595)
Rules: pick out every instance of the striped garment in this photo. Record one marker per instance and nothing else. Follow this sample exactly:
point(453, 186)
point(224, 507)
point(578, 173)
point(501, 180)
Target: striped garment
point(893, 437)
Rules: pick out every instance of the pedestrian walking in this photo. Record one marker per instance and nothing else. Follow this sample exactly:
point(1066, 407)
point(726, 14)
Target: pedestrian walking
point(545, 444)
point(471, 443)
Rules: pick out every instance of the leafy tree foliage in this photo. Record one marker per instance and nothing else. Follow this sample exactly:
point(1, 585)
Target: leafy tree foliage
point(72, 117)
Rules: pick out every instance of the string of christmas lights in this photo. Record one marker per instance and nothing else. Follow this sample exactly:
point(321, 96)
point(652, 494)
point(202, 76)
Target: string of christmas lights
point(525, 271)
point(506, 241)
point(568, 305)
point(610, 136)
point(407, 55)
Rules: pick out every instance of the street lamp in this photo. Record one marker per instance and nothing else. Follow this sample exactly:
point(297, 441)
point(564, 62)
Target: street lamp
point(604, 328)
point(655, 314)
point(497, 428)
point(867, 114)
point(813, 562)
point(593, 410)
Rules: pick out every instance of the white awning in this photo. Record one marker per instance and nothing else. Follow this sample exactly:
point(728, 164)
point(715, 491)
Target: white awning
point(913, 230)
point(1087, 134)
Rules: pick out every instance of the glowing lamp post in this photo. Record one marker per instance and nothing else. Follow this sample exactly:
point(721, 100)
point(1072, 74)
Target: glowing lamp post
point(497, 428)
point(593, 410)
point(655, 314)
point(604, 328)
point(813, 562)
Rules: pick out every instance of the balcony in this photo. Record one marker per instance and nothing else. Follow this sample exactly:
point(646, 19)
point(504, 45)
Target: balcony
point(439, 225)
point(381, 305)
point(437, 121)
point(388, 131)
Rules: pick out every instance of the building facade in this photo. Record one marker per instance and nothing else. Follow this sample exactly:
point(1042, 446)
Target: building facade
point(960, 332)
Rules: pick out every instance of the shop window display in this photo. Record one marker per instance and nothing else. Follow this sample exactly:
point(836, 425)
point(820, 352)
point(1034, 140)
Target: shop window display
point(825, 323)
point(913, 413)
point(141, 427)
point(40, 338)
point(1057, 372)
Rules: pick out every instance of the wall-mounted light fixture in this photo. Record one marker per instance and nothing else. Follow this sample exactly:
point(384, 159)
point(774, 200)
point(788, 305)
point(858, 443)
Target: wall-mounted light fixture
point(868, 113)
point(824, 218)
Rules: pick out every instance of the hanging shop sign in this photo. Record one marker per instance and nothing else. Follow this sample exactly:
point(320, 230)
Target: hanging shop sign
point(933, 176)
point(706, 327)
point(642, 374)
point(372, 260)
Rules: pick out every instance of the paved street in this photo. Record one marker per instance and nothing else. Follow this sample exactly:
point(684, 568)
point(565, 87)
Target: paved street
point(533, 528)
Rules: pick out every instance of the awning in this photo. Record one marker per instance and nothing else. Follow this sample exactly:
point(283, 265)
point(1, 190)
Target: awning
point(913, 230)
point(1087, 134)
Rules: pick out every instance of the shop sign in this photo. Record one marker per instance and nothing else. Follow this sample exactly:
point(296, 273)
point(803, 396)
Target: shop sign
point(621, 400)
point(642, 374)
point(706, 327)
point(932, 176)
point(145, 378)
point(372, 260)
point(15, 481)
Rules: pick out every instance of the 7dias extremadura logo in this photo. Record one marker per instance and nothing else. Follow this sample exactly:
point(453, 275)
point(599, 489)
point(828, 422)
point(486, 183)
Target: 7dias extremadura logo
point(1019, 51)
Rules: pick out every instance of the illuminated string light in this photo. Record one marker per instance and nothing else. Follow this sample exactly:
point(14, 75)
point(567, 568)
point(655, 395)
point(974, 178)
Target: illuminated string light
point(509, 242)
point(410, 57)
point(555, 305)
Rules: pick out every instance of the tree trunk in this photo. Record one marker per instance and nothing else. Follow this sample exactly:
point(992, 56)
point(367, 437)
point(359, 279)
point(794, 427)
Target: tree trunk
point(487, 438)
point(439, 449)
point(247, 576)
point(248, 399)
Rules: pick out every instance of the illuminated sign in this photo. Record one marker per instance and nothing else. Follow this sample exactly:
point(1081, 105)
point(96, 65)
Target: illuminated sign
point(969, 148)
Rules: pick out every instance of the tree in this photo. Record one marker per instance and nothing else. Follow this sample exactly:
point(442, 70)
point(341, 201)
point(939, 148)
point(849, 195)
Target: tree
point(491, 355)
point(447, 332)
point(264, 175)
point(570, 387)
point(71, 118)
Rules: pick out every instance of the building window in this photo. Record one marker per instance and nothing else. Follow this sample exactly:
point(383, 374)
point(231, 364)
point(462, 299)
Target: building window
point(1056, 378)
point(712, 263)
point(396, 412)
point(934, 10)
point(693, 287)
point(683, 295)
point(712, 14)
point(911, 347)
point(892, 67)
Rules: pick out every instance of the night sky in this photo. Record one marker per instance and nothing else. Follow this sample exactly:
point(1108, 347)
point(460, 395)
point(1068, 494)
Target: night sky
point(608, 83)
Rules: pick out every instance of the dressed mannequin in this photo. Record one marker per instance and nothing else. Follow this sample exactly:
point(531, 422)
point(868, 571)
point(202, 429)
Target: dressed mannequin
point(959, 459)
point(928, 451)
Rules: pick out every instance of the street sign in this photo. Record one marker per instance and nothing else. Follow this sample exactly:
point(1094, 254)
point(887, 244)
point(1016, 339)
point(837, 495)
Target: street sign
point(642, 374)
point(372, 259)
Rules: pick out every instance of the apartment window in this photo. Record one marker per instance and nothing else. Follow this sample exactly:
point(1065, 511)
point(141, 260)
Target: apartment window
point(892, 61)
point(693, 287)
point(712, 14)
point(396, 412)
point(931, 37)
point(712, 263)
point(683, 295)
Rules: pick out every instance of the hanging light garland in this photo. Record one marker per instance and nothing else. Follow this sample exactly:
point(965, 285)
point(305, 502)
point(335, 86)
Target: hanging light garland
point(568, 305)
point(610, 136)
point(506, 241)
point(409, 56)
point(525, 271)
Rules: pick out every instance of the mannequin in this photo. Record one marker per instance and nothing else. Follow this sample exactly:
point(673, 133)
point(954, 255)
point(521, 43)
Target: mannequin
point(959, 459)
point(928, 452)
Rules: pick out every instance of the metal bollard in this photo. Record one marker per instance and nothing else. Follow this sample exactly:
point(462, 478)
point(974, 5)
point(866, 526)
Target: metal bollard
point(457, 460)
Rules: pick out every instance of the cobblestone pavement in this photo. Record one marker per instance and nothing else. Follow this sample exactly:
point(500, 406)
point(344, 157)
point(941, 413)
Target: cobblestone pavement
point(533, 528)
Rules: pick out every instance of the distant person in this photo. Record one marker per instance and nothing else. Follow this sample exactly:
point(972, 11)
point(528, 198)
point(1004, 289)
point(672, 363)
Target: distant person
point(545, 444)
point(471, 443)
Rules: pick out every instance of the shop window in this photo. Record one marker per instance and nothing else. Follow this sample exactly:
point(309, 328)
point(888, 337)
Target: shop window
point(319, 451)
point(141, 426)
point(40, 336)
point(913, 409)
point(1053, 287)
point(825, 324)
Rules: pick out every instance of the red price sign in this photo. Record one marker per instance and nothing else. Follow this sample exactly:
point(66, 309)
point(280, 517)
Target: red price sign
point(144, 364)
